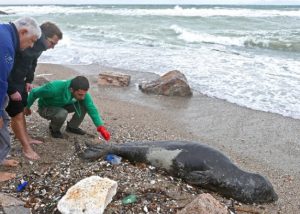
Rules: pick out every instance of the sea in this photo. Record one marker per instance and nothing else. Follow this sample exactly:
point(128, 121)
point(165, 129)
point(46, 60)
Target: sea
point(247, 55)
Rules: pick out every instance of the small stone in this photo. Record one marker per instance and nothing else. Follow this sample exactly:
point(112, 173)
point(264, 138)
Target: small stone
point(145, 209)
point(43, 192)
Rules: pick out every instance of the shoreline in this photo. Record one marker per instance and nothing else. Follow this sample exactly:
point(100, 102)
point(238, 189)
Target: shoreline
point(275, 126)
point(256, 141)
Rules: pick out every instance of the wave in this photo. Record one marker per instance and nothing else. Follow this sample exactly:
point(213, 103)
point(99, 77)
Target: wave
point(196, 37)
point(174, 11)
point(260, 40)
point(281, 45)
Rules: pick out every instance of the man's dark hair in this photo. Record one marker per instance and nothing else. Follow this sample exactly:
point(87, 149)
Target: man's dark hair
point(80, 83)
point(49, 29)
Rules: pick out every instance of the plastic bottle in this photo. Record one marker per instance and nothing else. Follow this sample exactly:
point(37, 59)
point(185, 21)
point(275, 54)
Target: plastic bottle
point(22, 186)
point(129, 199)
point(113, 159)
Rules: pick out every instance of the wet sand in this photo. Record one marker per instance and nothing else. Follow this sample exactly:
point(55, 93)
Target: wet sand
point(256, 141)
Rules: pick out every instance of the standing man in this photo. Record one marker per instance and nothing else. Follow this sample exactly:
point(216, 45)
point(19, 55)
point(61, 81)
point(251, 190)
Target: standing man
point(20, 34)
point(20, 83)
point(58, 98)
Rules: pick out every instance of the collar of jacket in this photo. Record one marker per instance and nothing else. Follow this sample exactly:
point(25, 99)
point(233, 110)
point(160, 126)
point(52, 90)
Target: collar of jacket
point(42, 42)
point(16, 39)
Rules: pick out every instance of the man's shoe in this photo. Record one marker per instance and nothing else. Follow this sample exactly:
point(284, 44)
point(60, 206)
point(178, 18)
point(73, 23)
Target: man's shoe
point(75, 130)
point(55, 134)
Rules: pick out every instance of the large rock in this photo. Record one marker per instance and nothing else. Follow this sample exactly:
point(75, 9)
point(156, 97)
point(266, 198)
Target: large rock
point(12, 205)
point(114, 79)
point(173, 83)
point(3, 13)
point(204, 204)
point(89, 196)
point(6, 200)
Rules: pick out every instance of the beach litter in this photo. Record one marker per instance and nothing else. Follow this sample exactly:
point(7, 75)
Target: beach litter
point(22, 186)
point(113, 159)
point(129, 199)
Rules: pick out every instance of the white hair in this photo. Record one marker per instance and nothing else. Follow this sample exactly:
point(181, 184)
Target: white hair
point(30, 24)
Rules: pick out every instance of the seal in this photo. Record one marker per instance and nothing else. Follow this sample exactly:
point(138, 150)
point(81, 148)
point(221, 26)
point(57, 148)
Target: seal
point(195, 163)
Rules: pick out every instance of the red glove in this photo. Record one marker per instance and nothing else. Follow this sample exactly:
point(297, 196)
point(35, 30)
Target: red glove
point(104, 132)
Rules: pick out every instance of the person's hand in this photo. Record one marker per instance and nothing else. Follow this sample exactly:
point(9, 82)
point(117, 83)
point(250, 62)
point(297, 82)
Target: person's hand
point(27, 111)
point(16, 96)
point(102, 130)
point(29, 87)
point(1, 122)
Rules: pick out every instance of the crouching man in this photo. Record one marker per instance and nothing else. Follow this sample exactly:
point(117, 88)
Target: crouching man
point(58, 98)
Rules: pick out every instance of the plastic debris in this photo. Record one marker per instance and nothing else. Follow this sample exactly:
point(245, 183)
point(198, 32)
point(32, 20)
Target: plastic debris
point(22, 186)
point(129, 199)
point(113, 159)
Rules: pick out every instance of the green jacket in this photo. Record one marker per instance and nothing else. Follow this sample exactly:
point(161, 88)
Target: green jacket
point(57, 93)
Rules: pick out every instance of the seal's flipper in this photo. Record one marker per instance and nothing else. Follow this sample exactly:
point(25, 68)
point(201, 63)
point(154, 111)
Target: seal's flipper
point(93, 153)
point(96, 146)
point(199, 178)
point(77, 146)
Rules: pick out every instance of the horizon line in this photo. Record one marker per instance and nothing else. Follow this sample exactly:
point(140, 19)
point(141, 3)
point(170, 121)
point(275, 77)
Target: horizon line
point(233, 4)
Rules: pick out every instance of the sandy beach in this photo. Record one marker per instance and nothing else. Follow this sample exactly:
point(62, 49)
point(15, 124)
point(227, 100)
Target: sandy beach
point(256, 141)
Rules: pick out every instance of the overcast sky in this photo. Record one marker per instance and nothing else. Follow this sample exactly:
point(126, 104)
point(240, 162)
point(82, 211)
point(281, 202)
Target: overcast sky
point(150, 2)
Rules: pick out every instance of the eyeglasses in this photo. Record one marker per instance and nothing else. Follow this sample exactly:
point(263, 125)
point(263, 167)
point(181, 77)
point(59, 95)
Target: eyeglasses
point(52, 43)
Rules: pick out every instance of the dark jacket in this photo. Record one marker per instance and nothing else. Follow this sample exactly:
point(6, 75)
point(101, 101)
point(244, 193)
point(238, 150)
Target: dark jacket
point(24, 66)
point(9, 43)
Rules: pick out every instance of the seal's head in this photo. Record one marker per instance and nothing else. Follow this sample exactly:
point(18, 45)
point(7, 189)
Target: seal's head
point(258, 189)
point(242, 186)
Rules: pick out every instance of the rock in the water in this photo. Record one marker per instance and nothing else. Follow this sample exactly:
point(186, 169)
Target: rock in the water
point(173, 83)
point(203, 204)
point(3, 13)
point(114, 79)
point(89, 196)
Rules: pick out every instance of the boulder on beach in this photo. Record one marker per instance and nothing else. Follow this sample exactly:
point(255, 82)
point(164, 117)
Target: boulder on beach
point(113, 79)
point(90, 195)
point(11, 204)
point(173, 83)
point(204, 203)
point(40, 80)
